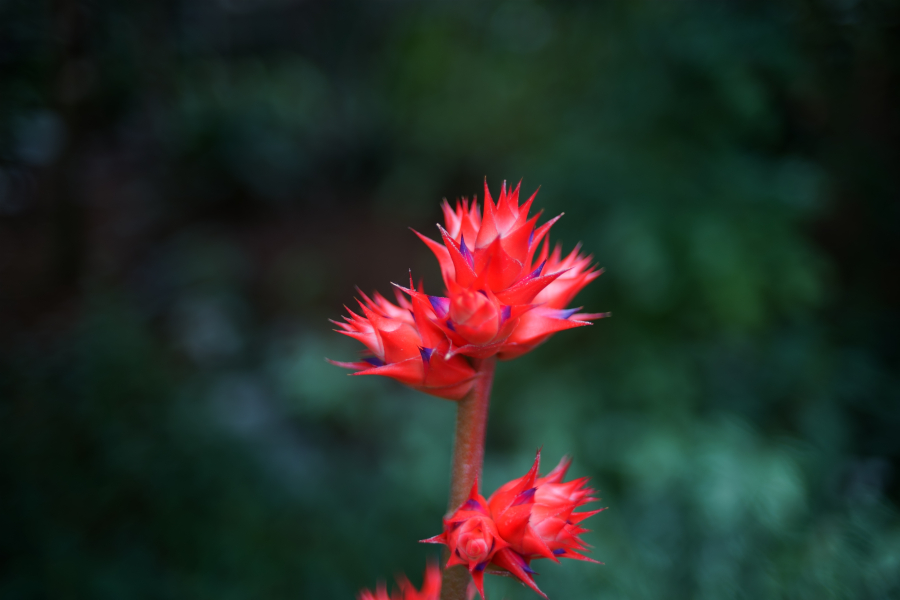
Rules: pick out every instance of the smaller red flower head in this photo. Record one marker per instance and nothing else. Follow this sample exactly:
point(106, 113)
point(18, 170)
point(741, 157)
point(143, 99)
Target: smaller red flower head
point(528, 518)
point(551, 528)
point(472, 537)
point(431, 588)
point(405, 346)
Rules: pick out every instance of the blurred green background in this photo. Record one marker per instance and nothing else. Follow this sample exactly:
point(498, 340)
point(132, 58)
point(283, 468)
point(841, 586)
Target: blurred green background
point(189, 189)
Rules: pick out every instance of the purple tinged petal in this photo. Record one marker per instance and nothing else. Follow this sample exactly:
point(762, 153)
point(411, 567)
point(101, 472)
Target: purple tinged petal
point(440, 305)
point(480, 566)
point(426, 354)
point(523, 564)
point(505, 314)
point(568, 312)
point(537, 272)
point(374, 361)
point(524, 497)
point(465, 252)
point(531, 238)
point(559, 552)
point(472, 504)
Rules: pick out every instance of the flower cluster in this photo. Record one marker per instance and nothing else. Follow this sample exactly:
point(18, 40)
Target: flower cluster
point(431, 588)
point(505, 293)
point(528, 518)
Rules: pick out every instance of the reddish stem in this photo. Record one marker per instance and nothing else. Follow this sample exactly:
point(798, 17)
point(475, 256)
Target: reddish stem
point(468, 459)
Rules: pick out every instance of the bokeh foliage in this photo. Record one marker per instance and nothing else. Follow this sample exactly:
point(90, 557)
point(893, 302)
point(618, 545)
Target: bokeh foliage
point(189, 189)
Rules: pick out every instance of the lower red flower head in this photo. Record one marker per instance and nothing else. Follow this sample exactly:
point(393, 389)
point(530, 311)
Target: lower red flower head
point(431, 588)
point(528, 518)
point(551, 529)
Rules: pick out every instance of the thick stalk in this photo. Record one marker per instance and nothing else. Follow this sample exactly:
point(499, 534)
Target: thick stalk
point(468, 460)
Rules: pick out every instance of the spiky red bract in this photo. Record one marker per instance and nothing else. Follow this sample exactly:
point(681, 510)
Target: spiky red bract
point(552, 529)
point(506, 292)
point(431, 588)
point(403, 346)
point(527, 518)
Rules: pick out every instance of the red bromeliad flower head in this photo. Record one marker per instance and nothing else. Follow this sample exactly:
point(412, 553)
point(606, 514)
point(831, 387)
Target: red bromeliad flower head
point(528, 518)
point(431, 588)
point(404, 345)
point(551, 528)
point(472, 537)
point(506, 293)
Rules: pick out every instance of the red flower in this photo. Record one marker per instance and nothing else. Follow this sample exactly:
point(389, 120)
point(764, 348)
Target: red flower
point(525, 519)
point(551, 528)
point(505, 292)
point(431, 588)
point(406, 346)
point(472, 537)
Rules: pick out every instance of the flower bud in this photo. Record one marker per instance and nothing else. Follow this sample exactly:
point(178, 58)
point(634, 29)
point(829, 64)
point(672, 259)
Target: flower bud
point(475, 317)
point(472, 537)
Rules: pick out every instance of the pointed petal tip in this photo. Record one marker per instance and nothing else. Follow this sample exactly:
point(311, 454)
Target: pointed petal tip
point(590, 560)
point(437, 539)
point(401, 288)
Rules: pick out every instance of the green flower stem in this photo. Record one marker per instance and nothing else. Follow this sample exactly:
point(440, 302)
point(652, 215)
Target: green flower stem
point(468, 460)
